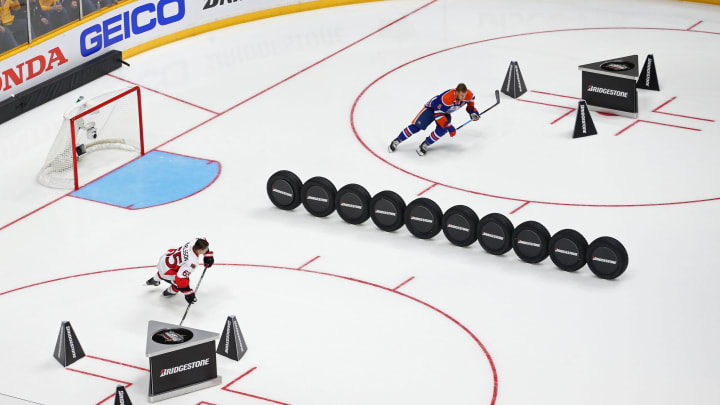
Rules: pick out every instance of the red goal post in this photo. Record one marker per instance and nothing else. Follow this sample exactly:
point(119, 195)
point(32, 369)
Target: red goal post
point(112, 120)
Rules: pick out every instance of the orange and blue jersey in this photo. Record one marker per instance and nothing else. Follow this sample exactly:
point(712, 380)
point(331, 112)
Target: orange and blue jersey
point(438, 109)
point(446, 102)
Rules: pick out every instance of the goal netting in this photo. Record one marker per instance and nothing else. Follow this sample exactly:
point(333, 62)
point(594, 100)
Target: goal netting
point(110, 121)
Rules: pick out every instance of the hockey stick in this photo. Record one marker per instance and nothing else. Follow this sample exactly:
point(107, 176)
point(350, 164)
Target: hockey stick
point(197, 287)
point(497, 101)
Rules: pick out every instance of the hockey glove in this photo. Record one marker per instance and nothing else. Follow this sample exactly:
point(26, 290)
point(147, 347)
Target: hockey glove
point(190, 298)
point(474, 114)
point(451, 130)
point(209, 259)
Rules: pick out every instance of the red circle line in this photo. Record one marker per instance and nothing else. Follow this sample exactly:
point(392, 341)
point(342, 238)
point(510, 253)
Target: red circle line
point(362, 93)
point(419, 301)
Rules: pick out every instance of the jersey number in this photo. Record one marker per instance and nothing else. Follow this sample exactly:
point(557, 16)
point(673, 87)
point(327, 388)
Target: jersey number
point(175, 256)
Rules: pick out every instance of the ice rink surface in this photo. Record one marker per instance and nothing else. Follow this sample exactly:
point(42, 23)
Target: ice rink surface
point(341, 314)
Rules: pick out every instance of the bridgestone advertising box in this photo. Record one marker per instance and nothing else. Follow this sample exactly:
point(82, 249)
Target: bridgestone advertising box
point(609, 86)
point(182, 360)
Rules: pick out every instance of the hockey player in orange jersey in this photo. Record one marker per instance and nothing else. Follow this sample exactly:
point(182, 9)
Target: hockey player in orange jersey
point(438, 109)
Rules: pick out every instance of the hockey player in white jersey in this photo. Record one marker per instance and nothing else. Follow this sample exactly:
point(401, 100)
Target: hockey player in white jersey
point(176, 265)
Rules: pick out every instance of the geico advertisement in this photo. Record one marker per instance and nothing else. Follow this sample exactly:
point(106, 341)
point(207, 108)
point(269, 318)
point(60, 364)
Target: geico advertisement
point(128, 26)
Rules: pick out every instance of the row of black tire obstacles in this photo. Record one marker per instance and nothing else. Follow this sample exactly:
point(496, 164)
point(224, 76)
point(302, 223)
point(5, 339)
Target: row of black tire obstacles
point(531, 241)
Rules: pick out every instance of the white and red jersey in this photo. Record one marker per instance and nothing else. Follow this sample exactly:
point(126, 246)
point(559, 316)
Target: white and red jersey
point(176, 266)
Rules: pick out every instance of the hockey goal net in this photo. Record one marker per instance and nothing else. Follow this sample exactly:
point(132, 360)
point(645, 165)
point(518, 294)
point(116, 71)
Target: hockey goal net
point(110, 121)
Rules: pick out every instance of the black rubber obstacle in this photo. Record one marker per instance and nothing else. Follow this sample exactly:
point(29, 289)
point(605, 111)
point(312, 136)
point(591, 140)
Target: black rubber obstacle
point(494, 232)
point(352, 203)
point(318, 196)
point(423, 218)
point(459, 224)
point(387, 210)
point(530, 242)
point(568, 249)
point(283, 189)
point(607, 258)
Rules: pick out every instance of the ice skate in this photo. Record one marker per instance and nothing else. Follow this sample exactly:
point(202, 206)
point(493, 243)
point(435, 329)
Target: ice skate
point(393, 145)
point(422, 149)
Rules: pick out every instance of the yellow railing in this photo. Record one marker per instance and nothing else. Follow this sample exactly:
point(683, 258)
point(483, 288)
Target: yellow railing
point(706, 1)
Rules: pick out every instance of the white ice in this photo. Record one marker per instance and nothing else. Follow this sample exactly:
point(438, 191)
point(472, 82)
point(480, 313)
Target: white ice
point(649, 337)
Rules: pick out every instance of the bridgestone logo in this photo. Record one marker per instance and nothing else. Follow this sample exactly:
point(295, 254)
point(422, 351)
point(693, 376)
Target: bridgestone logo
point(317, 199)
point(282, 192)
point(647, 72)
point(601, 260)
point(357, 207)
point(609, 92)
point(121, 397)
point(459, 228)
point(507, 89)
point(566, 252)
point(392, 214)
point(429, 221)
point(70, 341)
point(582, 118)
point(185, 367)
point(214, 3)
point(227, 336)
point(490, 235)
point(523, 242)
point(517, 78)
point(236, 327)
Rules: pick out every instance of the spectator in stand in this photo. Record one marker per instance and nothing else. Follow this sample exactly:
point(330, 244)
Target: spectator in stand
point(7, 39)
point(56, 12)
point(39, 20)
point(106, 3)
point(89, 6)
point(72, 9)
point(19, 26)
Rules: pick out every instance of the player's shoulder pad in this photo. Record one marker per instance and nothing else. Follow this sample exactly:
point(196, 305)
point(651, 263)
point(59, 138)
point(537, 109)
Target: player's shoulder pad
point(469, 96)
point(448, 98)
